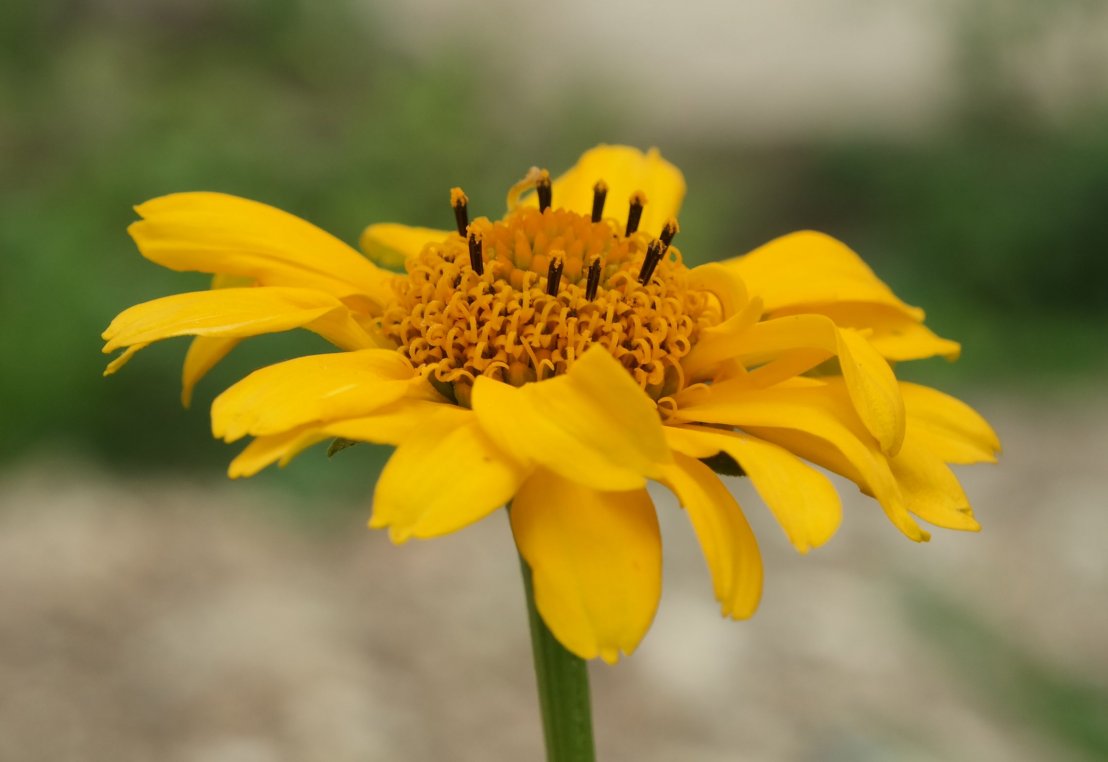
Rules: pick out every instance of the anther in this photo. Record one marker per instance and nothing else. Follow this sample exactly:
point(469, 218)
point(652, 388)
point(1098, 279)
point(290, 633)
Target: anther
point(460, 202)
point(543, 188)
point(599, 194)
point(669, 230)
point(554, 275)
point(476, 254)
point(634, 213)
point(654, 254)
point(594, 279)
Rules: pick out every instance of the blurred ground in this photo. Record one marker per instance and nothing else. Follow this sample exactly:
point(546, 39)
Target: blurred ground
point(152, 618)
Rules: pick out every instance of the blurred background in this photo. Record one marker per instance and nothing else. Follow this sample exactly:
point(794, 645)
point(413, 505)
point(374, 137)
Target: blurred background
point(151, 609)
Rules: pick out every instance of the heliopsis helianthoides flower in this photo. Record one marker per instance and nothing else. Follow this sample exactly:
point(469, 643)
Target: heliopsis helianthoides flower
point(559, 358)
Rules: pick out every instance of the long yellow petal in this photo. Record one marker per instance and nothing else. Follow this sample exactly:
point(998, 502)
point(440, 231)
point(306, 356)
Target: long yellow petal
point(234, 313)
point(219, 233)
point(930, 489)
point(596, 560)
point(312, 389)
point(869, 379)
point(813, 421)
point(808, 269)
point(625, 170)
point(593, 424)
point(897, 336)
point(445, 476)
point(203, 354)
point(725, 536)
point(948, 427)
point(391, 425)
point(274, 448)
point(389, 244)
point(802, 499)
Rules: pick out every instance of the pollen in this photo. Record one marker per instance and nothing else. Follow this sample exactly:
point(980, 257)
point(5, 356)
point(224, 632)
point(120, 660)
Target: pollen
point(520, 299)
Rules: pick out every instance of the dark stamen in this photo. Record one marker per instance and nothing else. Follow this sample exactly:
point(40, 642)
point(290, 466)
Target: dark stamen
point(634, 214)
point(669, 230)
point(599, 194)
point(476, 254)
point(554, 276)
point(594, 279)
point(542, 187)
point(460, 202)
point(654, 255)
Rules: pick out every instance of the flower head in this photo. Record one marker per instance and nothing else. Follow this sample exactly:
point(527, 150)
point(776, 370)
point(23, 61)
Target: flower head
point(559, 358)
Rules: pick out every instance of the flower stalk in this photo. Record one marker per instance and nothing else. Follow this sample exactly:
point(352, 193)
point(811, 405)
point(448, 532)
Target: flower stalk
point(563, 682)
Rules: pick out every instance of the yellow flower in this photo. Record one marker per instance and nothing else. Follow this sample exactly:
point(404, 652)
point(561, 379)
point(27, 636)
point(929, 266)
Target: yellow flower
point(561, 357)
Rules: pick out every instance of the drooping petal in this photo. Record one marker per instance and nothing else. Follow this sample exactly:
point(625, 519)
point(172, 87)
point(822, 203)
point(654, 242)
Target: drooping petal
point(219, 233)
point(273, 448)
point(869, 379)
point(596, 560)
point(391, 425)
point(809, 268)
point(203, 354)
point(389, 244)
point(625, 170)
point(593, 424)
point(312, 389)
point(895, 335)
point(235, 313)
point(812, 420)
point(809, 272)
point(725, 536)
point(446, 475)
point(802, 499)
point(948, 427)
point(930, 489)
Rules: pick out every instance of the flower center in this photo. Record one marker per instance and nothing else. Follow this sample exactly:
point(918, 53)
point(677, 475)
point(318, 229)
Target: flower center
point(519, 299)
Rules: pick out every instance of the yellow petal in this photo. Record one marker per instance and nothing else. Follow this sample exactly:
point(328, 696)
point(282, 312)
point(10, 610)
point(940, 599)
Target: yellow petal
point(264, 451)
point(802, 499)
point(203, 354)
point(389, 244)
point(593, 424)
point(391, 425)
point(312, 389)
point(445, 476)
point(813, 421)
point(717, 344)
point(124, 358)
point(724, 284)
point(625, 170)
point(596, 561)
point(809, 268)
point(206, 351)
point(948, 427)
point(725, 537)
point(930, 489)
point(236, 313)
point(869, 379)
point(218, 233)
point(895, 335)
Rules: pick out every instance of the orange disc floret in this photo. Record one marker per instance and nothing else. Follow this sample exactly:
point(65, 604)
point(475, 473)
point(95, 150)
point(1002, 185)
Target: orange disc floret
point(515, 323)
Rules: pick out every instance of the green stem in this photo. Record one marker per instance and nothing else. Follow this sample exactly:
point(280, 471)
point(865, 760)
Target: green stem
point(563, 681)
